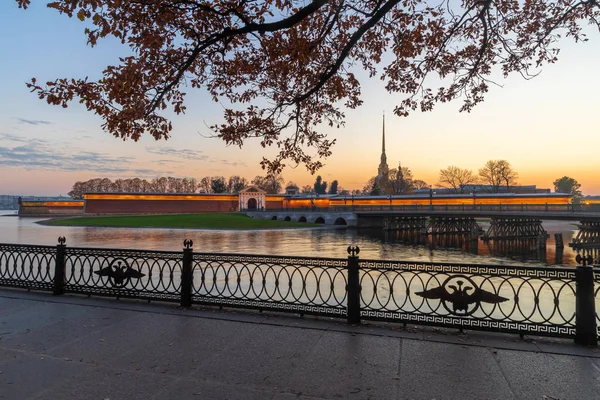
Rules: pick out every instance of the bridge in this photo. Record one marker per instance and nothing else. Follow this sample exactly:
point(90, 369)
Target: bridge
point(367, 216)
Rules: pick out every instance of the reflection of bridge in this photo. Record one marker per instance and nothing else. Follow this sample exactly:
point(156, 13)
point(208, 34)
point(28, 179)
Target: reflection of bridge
point(508, 222)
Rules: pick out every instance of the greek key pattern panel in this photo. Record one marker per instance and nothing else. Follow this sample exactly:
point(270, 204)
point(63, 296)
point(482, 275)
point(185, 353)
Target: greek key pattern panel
point(274, 260)
point(483, 269)
point(299, 281)
point(266, 305)
point(472, 296)
point(27, 266)
point(125, 273)
point(475, 324)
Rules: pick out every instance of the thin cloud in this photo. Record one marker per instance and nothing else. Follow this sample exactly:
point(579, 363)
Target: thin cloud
point(13, 138)
point(178, 153)
point(33, 121)
point(228, 162)
point(43, 155)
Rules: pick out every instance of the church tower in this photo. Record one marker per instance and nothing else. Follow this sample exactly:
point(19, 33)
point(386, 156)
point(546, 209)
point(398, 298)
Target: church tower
point(383, 170)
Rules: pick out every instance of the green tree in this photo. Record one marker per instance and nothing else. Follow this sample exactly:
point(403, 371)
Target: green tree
point(567, 185)
point(218, 185)
point(333, 188)
point(375, 189)
point(320, 186)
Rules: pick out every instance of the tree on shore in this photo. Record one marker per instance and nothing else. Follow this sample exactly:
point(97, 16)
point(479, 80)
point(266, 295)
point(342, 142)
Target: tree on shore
point(456, 178)
point(288, 66)
point(320, 186)
point(333, 188)
point(307, 189)
point(567, 185)
point(498, 173)
point(218, 185)
point(236, 184)
point(271, 184)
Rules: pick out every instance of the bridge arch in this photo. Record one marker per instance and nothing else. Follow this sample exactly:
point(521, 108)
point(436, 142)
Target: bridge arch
point(340, 221)
point(320, 220)
point(287, 218)
point(302, 219)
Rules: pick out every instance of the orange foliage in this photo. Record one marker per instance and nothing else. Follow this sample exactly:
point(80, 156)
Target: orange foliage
point(285, 67)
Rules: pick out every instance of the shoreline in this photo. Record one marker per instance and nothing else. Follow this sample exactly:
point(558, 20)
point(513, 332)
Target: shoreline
point(239, 217)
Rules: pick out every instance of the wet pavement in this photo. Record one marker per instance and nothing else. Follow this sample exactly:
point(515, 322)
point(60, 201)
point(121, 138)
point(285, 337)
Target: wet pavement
point(73, 347)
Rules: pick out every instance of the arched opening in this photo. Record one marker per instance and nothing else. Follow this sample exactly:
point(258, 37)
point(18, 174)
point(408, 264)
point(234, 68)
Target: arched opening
point(340, 221)
point(302, 219)
point(252, 204)
point(320, 220)
point(287, 219)
point(274, 218)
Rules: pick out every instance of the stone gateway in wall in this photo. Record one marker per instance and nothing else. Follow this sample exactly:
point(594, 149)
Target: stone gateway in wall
point(252, 198)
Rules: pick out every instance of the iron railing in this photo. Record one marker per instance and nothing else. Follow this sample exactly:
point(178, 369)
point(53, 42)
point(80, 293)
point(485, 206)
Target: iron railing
point(597, 297)
point(27, 266)
point(297, 284)
point(518, 299)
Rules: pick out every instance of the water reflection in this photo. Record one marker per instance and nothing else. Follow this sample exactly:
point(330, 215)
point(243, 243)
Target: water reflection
point(375, 244)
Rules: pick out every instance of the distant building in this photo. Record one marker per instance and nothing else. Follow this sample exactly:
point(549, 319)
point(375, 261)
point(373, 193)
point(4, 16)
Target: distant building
point(466, 189)
point(292, 190)
point(590, 200)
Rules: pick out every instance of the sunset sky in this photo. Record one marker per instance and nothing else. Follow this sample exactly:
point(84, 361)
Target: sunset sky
point(546, 128)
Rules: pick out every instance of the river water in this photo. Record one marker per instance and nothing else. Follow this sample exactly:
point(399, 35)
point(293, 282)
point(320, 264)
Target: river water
point(310, 242)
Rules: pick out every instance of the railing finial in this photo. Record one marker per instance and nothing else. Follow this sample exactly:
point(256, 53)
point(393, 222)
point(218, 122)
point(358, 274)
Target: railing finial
point(584, 260)
point(62, 240)
point(188, 243)
point(353, 250)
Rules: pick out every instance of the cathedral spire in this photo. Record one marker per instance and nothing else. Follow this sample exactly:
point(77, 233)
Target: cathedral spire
point(383, 138)
point(383, 169)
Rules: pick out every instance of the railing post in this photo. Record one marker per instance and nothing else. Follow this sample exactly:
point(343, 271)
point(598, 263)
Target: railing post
point(585, 308)
point(353, 289)
point(187, 277)
point(58, 286)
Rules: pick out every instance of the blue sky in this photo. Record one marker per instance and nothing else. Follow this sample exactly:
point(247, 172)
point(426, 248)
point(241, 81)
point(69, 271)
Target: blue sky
point(546, 128)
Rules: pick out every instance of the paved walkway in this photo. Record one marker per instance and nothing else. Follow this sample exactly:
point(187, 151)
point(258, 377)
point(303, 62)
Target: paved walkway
point(80, 348)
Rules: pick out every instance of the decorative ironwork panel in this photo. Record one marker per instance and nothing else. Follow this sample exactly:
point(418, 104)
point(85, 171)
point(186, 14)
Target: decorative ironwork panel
point(597, 297)
point(487, 297)
point(123, 273)
point(27, 266)
point(294, 284)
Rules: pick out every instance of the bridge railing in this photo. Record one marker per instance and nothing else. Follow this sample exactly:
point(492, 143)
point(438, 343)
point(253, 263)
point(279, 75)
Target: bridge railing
point(350, 207)
point(550, 301)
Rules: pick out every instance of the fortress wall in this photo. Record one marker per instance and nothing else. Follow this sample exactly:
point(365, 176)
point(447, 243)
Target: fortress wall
point(51, 208)
point(115, 206)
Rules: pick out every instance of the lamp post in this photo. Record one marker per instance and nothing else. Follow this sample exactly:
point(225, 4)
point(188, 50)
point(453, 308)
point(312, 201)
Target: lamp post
point(430, 199)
